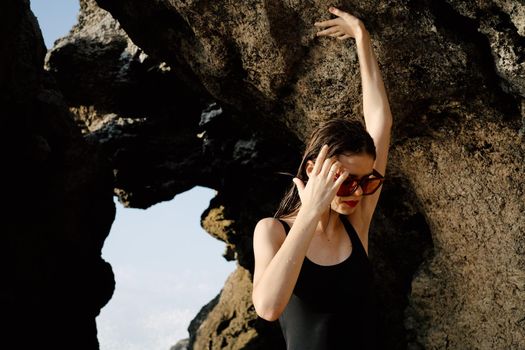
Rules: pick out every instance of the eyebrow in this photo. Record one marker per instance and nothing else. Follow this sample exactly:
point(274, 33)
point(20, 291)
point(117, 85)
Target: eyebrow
point(357, 176)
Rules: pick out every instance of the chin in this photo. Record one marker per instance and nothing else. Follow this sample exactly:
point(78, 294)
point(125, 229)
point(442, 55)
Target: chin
point(344, 209)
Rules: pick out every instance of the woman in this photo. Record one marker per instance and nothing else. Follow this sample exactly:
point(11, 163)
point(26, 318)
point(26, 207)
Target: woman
point(311, 260)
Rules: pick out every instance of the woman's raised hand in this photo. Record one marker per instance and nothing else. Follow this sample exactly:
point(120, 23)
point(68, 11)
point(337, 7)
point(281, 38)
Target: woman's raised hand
point(343, 27)
point(322, 184)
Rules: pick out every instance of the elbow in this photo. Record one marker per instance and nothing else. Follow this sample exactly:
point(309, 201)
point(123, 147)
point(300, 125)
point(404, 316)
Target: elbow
point(265, 311)
point(270, 315)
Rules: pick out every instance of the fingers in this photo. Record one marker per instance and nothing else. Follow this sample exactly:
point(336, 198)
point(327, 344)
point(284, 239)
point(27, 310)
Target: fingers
point(334, 170)
point(320, 159)
point(328, 31)
point(337, 34)
point(342, 177)
point(337, 12)
point(335, 24)
point(327, 23)
point(326, 166)
point(299, 184)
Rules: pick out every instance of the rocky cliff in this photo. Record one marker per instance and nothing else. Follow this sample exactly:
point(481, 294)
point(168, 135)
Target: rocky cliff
point(58, 204)
point(175, 94)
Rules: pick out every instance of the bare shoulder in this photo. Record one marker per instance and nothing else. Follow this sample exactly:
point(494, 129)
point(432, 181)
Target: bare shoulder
point(269, 226)
point(269, 229)
point(268, 237)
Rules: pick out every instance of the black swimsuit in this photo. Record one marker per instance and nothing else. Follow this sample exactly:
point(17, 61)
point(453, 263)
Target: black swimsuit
point(332, 307)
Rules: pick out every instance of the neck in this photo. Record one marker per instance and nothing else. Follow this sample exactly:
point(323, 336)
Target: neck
point(329, 223)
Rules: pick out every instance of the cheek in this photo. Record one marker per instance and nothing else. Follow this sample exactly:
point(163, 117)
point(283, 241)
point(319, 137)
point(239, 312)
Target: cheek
point(336, 202)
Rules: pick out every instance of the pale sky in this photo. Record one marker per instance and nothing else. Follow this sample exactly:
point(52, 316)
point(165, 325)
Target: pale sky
point(166, 266)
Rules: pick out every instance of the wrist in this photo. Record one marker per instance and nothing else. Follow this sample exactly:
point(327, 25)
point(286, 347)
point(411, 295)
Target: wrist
point(310, 212)
point(361, 34)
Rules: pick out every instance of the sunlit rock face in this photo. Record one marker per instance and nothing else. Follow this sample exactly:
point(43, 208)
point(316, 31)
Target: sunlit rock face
point(58, 202)
point(221, 94)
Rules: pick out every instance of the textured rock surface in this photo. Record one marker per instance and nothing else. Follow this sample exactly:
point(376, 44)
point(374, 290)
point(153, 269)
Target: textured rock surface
point(219, 94)
point(58, 205)
point(471, 293)
point(233, 320)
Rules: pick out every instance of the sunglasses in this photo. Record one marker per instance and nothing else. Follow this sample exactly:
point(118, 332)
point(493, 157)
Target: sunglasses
point(369, 185)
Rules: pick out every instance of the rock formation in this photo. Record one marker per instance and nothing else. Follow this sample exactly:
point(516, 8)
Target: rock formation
point(58, 202)
point(177, 93)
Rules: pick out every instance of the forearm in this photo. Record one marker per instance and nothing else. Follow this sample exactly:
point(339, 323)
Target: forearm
point(375, 100)
point(273, 290)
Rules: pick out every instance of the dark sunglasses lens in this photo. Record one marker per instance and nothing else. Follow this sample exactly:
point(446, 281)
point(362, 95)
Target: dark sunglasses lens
point(347, 188)
point(368, 186)
point(371, 185)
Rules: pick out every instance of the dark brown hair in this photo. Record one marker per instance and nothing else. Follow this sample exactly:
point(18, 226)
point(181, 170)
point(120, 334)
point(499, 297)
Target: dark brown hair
point(343, 137)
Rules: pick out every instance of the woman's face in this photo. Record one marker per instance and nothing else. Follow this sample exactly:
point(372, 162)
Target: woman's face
point(358, 166)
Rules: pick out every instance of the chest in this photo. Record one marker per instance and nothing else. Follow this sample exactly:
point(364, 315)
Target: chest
point(327, 252)
point(330, 287)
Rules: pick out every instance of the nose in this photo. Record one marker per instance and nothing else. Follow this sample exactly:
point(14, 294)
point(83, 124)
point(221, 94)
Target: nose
point(359, 191)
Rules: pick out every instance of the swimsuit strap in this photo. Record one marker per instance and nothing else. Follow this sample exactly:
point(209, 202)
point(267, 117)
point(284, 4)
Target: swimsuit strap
point(285, 225)
point(354, 237)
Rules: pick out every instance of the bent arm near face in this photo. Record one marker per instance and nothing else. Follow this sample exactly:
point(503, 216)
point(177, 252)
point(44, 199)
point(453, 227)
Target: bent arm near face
point(278, 261)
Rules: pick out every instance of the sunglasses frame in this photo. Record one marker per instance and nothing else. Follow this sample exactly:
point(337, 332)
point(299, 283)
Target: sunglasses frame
point(362, 181)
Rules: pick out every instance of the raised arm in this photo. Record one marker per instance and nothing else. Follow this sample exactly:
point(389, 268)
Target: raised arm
point(376, 109)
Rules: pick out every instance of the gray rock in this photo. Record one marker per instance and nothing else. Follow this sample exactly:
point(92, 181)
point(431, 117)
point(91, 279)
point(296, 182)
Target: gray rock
point(181, 345)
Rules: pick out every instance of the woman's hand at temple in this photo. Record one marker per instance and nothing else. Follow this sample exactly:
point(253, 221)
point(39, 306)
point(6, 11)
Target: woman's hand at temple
point(343, 27)
point(322, 185)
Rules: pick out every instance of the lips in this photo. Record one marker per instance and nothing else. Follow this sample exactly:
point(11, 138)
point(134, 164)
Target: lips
point(351, 203)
